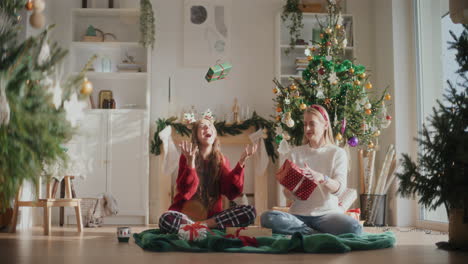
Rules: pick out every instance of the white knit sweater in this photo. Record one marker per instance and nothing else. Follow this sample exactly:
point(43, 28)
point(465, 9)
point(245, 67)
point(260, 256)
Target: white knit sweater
point(329, 160)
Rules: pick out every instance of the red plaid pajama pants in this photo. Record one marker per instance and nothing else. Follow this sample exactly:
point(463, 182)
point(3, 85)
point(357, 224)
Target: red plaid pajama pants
point(238, 216)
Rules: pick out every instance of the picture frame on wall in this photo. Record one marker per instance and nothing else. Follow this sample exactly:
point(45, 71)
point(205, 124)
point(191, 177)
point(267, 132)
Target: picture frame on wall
point(207, 29)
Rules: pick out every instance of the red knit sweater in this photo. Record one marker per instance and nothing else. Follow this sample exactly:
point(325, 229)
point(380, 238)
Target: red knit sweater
point(231, 185)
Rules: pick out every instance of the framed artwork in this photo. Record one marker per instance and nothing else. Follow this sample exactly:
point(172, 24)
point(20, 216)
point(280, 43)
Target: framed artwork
point(207, 32)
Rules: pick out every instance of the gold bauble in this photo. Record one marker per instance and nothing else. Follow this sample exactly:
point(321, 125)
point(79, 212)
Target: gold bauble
point(328, 30)
point(339, 137)
point(293, 87)
point(351, 70)
point(275, 90)
point(278, 118)
point(377, 133)
point(303, 106)
point(357, 82)
point(309, 58)
point(37, 20)
point(368, 111)
point(86, 87)
point(29, 5)
point(321, 35)
point(388, 97)
point(334, 83)
point(371, 144)
point(369, 85)
point(362, 75)
point(338, 26)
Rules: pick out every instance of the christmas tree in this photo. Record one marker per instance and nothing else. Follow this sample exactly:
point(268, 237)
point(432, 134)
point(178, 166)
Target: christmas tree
point(37, 106)
point(337, 84)
point(440, 177)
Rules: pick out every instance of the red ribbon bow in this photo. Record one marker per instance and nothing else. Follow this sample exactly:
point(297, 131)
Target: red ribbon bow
point(246, 240)
point(357, 210)
point(193, 229)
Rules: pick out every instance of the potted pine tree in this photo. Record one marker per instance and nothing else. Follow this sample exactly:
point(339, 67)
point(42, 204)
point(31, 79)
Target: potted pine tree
point(440, 175)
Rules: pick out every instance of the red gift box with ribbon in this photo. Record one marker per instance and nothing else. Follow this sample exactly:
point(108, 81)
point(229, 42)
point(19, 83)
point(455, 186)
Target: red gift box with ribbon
point(292, 178)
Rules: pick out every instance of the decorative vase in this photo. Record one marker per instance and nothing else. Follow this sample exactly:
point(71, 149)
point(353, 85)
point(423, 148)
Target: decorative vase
point(458, 229)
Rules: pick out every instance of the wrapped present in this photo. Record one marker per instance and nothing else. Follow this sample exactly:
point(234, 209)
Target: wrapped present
point(193, 232)
point(354, 213)
point(218, 72)
point(347, 198)
point(249, 231)
point(293, 179)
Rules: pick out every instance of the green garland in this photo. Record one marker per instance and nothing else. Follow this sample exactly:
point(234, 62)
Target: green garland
point(222, 128)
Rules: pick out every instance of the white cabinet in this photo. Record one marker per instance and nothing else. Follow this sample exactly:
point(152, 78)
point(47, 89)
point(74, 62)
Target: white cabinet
point(286, 63)
point(117, 142)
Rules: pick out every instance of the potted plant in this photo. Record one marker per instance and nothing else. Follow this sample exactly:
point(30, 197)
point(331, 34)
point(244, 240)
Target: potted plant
point(440, 175)
point(293, 13)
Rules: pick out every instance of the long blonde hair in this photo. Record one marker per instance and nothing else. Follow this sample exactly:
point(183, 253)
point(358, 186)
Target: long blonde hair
point(208, 188)
point(320, 112)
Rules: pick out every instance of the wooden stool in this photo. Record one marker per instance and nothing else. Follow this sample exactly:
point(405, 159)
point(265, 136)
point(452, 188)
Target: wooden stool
point(47, 204)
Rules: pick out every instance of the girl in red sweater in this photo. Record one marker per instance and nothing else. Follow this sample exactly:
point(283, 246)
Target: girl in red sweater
point(205, 175)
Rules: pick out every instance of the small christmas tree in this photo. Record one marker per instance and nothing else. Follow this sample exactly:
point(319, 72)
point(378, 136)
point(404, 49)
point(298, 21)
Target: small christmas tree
point(34, 124)
point(335, 83)
point(440, 176)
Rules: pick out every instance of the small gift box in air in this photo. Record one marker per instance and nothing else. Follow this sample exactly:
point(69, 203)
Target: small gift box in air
point(218, 72)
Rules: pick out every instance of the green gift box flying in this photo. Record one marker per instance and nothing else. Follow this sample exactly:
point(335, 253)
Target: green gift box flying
point(218, 72)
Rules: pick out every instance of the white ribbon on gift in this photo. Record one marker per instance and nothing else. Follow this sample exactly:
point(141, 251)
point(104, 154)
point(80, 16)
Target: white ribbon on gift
point(261, 157)
point(171, 153)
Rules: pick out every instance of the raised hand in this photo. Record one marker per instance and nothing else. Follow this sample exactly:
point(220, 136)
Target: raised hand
point(190, 151)
point(315, 176)
point(248, 152)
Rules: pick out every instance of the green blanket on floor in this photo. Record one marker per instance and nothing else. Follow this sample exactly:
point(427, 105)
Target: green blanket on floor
point(155, 240)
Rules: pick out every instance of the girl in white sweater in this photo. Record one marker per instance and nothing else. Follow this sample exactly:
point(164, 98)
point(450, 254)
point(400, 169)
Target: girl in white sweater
point(326, 164)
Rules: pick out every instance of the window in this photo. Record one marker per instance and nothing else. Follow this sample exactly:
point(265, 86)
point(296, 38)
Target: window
point(436, 64)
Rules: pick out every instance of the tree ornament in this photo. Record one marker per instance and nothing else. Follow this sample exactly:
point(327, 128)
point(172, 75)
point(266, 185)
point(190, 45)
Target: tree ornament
point(293, 87)
point(339, 137)
point(287, 120)
point(303, 106)
point(44, 53)
point(351, 70)
point(275, 90)
point(357, 82)
point(362, 75)
point(370, 145)
point(309, 58)
point(29, 5)
point(367, 106)
point(86, 87)
point(377, 133)
point(369, 85)
point(353, 141)
point(287, 101)
point(279, 110)
point(338, 26)
point(313, 49)
point(321, 71)
point(328, 30)
point(278, 118)
point(321, 35)
point(327, 102)
point(388, 117)
point(4, 105)
point(313, 82)
point(388, 97)
point(39, 6)
point(295, 94)
point(328, 43)
point(37, 20)
point(368, 111)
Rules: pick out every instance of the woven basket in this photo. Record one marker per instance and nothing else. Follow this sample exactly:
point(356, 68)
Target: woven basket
point(91, 212)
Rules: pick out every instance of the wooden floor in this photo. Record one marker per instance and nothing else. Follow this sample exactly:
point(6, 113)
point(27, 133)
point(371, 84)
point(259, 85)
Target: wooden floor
point(100, 245)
